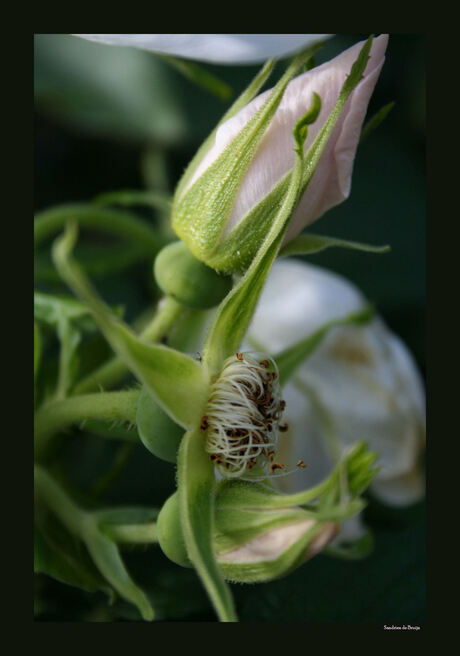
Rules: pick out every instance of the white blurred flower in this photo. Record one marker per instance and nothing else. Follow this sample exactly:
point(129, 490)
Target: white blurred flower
point(360, 384)
point(214, 48)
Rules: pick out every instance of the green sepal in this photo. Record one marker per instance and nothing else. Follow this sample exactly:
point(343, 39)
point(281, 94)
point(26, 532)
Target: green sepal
point(247, 95)
point(240, 245)
point(355, 470)
point(236, 526)
point(176, 381)
point(187, 280)
point(196, 489)
point(234, 314)
point(310, 243)
point(376, 120)
point(200, 76)
point(200, 214)
point(291, 358)
point(157, 431)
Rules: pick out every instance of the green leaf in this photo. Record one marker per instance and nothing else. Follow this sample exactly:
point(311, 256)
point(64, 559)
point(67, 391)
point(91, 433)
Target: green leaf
point(291, 358)
point(107, 558)
point(376, 120)
point(83, 525)
point(178, 383)
point(158, 432)
point(201, 77)
point(59, 555)
point(309, 243)
point(196, 489)
point(52, 309)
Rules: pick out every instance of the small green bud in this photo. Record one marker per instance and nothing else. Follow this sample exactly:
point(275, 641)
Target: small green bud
point(158, 432)
point(190, 282)
point(170, 536)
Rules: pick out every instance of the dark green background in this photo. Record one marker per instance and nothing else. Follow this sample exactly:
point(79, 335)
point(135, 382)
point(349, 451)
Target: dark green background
point(109, 118)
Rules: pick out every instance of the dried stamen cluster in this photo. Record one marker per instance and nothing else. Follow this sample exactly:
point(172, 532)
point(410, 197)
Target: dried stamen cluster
point(243, 416)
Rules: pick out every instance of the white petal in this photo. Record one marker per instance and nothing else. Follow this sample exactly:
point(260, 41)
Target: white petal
point(214, 48)
point(401, 490)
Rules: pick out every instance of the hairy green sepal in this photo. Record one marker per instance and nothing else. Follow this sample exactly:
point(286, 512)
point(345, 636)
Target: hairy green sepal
point(176, 381)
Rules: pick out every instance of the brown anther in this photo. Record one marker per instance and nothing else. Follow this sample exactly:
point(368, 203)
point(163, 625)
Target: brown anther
point(301, 463)
point(271, 455)
point(283, 427)
point(276, 465)
point(204, 423)
point(265, 363)
point(239, 356)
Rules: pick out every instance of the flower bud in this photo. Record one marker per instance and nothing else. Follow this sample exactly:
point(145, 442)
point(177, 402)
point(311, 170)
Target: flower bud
point(360, 383)
point(251, 545)
point(230, 201)
point(169, 529)
point(190, 282)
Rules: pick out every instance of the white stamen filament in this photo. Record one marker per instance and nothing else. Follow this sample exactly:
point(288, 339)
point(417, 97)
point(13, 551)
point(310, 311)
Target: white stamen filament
point(243, 415)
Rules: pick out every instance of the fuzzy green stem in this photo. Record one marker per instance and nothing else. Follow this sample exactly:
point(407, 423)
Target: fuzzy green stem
point(119, 222)
point(132, 533)
point(58, 415)
point(113, 371)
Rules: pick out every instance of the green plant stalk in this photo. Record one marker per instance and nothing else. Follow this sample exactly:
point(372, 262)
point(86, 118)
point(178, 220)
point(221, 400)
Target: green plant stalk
point(119, 222)
point(58, 415)
point(132, 533)
point(113, 371)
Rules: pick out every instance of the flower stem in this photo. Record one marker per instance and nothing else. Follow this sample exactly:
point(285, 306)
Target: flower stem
point(113, 371)
point(120, 222)
point(58, 415)
point(132, 533)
